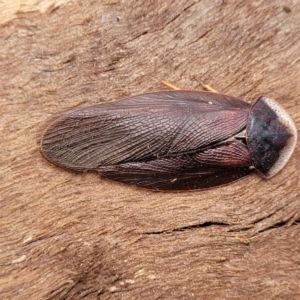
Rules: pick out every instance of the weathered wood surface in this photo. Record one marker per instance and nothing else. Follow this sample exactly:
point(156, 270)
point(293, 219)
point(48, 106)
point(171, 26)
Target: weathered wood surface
point(70, 236)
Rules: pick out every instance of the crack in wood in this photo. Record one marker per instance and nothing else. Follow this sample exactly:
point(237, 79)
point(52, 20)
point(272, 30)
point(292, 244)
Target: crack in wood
point(189, 227)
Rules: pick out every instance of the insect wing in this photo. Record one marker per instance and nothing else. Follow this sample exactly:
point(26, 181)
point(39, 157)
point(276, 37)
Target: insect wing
point(187, 171)
point(208, 178)
point(139, 128)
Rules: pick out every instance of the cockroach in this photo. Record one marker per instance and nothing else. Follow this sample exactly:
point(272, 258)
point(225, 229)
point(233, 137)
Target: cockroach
point(172, 140)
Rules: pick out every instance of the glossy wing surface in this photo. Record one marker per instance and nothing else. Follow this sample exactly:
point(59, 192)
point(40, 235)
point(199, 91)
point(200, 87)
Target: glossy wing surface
point(184, 172)
point(139, 128)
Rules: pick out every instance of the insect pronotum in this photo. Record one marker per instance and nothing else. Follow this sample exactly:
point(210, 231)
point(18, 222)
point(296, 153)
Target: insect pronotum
point(172, 140)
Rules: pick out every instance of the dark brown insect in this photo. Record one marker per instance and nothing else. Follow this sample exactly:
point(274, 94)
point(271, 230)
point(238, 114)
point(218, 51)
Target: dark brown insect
point(172, 140)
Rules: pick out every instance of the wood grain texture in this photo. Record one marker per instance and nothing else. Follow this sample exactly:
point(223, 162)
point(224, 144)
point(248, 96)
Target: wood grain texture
point(65, 235)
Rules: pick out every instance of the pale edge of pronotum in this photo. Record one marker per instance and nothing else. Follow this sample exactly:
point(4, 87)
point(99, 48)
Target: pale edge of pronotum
point(288, 150)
